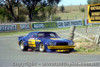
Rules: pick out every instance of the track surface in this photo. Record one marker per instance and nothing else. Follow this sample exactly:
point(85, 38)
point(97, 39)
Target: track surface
point(12, 56)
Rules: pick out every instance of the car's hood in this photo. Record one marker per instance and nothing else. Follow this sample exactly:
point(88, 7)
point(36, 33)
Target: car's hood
point(57, 40)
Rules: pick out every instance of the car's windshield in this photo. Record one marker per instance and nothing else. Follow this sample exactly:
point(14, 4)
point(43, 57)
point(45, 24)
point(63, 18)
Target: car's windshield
point(47, 34)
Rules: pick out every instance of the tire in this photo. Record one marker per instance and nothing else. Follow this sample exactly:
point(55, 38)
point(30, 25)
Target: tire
point(22, 47)
point(42, 47)
point(71, 50)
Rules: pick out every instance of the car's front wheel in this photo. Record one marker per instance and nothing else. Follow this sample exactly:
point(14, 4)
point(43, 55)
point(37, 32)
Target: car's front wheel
point(41, 47)
point(22, 47)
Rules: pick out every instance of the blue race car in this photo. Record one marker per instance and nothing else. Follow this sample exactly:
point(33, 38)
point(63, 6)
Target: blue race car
point(45, 41)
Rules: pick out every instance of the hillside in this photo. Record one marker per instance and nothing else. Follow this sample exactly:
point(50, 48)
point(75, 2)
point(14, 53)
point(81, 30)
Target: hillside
point(72, 12)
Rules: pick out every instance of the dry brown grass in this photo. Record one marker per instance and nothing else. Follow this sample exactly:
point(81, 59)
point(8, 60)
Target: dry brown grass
point(83, 45)
point(72, 12)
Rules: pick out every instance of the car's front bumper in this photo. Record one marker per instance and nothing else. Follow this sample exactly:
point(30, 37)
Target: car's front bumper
point(62, 47)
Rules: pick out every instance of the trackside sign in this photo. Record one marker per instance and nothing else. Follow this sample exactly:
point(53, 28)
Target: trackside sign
point(94, 13)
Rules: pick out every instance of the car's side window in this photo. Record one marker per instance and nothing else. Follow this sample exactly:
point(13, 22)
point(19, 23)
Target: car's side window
point(30, 35)
point(40, 35)
point(52, 35)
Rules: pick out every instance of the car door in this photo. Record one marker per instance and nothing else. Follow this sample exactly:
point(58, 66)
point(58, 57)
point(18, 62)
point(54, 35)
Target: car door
point(31, 41)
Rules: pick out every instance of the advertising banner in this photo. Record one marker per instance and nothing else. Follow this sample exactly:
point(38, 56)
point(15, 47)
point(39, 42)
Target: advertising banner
point(76, 22)
point(69, 23)
point(44, 25)
point(8, 28)
point(24, 26)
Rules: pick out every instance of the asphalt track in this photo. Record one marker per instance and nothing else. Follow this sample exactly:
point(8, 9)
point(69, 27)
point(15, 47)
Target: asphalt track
point(12, 56)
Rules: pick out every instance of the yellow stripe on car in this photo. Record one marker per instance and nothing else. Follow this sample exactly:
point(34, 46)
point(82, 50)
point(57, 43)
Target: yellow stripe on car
point(61, 47)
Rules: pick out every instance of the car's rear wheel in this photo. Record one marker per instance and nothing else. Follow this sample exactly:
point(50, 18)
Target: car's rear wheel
point(22, 47)
point(41, 47)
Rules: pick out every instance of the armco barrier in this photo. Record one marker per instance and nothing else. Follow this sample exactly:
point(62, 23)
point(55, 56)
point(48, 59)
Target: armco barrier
point(44, 25)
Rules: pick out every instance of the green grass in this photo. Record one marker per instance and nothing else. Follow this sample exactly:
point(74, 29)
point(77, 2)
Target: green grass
point(45, 29)
point(27, 31)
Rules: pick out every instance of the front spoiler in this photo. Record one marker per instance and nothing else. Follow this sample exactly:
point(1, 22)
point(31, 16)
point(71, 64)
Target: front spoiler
point(61, 47)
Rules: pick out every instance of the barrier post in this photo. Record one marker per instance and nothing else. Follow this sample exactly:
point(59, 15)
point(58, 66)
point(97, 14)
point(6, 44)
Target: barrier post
point(30, 24)
point(18, 27)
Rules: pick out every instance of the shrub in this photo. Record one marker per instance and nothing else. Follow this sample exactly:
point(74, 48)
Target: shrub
point(55, 18)
point(22, 18)
point(82, 10)
point(62, 8)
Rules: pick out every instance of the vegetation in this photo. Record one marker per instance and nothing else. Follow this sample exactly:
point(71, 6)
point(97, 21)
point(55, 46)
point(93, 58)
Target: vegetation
point(93, 1)
point(62, 8)
point(31, 8)
point(44, 29)
point(82, 10)
point(41, 10)
point(83, 45)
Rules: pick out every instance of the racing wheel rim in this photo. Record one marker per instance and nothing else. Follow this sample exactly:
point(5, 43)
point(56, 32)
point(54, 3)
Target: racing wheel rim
point(22, 46)
point(42, 48)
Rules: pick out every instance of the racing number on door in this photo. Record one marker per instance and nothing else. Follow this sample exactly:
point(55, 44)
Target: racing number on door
point(31, 43)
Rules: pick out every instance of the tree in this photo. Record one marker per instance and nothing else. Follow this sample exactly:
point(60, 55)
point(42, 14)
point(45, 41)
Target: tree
point(53, 2)
point(31, 5)
point(93, 1)
point(62, 8)
point(10, 5)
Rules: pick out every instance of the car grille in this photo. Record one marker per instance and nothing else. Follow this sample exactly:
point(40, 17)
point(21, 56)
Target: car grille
point(62, 44)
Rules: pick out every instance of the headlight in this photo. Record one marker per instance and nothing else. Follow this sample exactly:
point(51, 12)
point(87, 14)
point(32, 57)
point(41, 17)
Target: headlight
point(71, 43)
point(52, 43)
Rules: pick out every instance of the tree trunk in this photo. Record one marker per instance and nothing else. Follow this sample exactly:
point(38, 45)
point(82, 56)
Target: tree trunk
point(10, 8)
point(18, 10)
point(30, 13)
point(12, 13)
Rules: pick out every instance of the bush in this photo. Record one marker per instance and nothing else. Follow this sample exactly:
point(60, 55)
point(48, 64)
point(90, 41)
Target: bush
point(55, 18)
point(22, 18)
point(82, 10)
point(5, 15)
point(62, 8)
point(2, 19)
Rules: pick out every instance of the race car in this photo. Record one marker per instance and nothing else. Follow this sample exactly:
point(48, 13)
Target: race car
point(45, 42)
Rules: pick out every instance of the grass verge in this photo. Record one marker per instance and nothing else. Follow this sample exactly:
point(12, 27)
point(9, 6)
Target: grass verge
point(84, 46)
point(45, 29)
point(7, 33)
